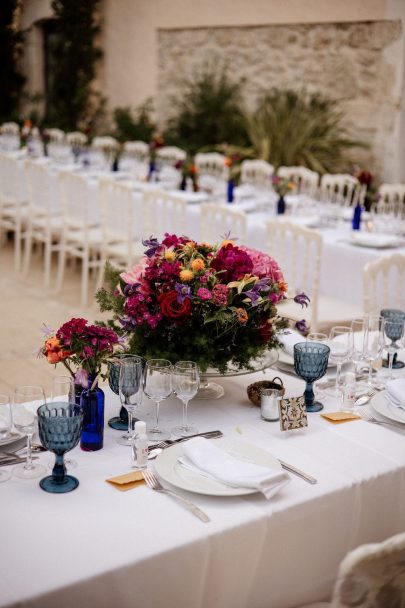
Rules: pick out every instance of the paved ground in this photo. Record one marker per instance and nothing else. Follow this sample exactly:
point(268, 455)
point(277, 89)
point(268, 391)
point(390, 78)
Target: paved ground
point(24, 306)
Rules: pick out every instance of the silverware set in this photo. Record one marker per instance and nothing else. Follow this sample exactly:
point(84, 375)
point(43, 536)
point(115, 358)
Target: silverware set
point(168, 442)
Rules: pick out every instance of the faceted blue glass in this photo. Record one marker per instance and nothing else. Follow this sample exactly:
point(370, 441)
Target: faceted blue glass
point(59, 427)
point(394, 332)
point(310, 363)
point(120, 423)
point(92, 404)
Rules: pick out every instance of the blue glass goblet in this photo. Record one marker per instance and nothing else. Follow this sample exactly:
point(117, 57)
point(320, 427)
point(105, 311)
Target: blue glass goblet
point(119, 423)
point(394, 331)
point(310, 363)
point(59, 428)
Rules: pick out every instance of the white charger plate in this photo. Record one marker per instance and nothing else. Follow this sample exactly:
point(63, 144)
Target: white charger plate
point(383, 406)
point(14, 436)
point(171, 471)
point(375, 240)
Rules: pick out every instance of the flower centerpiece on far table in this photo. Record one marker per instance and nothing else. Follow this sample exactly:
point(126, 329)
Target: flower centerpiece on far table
point(281, 186)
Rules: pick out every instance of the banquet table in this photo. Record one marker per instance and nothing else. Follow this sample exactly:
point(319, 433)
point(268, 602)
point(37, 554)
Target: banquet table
point(99, 547)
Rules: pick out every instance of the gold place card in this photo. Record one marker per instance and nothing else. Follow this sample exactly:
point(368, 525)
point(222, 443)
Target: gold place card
point(293, 414)
point(337, 417)
point(127, 481)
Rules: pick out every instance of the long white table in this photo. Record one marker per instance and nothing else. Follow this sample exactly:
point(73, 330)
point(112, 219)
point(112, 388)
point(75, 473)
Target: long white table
point(98, 547)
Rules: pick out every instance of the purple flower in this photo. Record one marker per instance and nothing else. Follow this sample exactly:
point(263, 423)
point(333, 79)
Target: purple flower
point(183, 292)
point(302, 298)
point(153, 244)
point(302, 326)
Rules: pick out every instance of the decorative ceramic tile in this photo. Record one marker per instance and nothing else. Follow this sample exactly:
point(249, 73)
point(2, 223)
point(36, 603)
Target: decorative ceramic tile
point(293, 414)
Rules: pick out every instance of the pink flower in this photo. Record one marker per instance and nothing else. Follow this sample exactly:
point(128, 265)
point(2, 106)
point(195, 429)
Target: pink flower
point(204, 293)
point(220, 294)
point(135, 274)
point(263, 265)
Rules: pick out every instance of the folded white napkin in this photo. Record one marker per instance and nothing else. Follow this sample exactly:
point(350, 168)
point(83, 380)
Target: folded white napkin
point(288, 340)
point(395, 391)
point(202, 456)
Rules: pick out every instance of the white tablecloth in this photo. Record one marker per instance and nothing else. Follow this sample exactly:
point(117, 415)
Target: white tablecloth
point(98, 547)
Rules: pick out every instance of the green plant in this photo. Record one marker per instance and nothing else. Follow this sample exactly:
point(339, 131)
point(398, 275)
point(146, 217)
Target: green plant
point(71, 101)
point(299, 128)
point(11, 80)
point(137, 125)
point(208, 112)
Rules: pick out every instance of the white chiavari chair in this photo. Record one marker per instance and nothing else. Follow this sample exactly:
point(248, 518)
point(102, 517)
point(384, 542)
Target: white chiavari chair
point(170, 155)
point(256, 172)
point(341, 188)
point(44, 220)
point(213, 172)
point(76, 138)
point(391, 200)
point(135, 158)
point(82, 236)
point(304, 180)
point(220, 221)
point(102, 151)
point(163, 212)
point(384, 283)
point(9, 136)
point(13, 203)
point(298, 251)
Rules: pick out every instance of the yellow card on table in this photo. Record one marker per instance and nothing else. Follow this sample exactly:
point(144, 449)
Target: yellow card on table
point(127, 481)
point(336, 417)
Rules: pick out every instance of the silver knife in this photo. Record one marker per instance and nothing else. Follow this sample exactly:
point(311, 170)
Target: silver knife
point(291, 469)
point(169, 442)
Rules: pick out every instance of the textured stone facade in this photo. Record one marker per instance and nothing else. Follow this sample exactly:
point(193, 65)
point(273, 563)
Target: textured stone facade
point(358, 63)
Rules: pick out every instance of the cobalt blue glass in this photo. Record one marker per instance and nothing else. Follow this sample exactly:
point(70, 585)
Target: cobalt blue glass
point(394, 332)
point(120, 423)
point(281, 205)
point(229, 191)
point(59, 426)
point(310, 363)
point(92, 404)
point(356, 221)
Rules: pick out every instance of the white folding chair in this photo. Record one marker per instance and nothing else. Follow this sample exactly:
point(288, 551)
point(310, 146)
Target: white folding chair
point(298, 251)
point(384, 283)
point(341, 188)
point(44, 220)
point(13, 202)
point(163, 212)
point(370, 576)
point(221, 221)
point(256, 172)
point(82, 235)
point(304, 180)
point(391, 200)
point(121, 230)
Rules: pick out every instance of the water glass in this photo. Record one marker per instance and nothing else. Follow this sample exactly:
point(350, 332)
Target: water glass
point(25, 403)
point(373, 343)
point(63, 393)
point(157, 385)
point(393, 331)
point(130, 392)
point(396, 333)
point(340, 344)
point(186, 382)
point(5, 428)
point(310, 363)
point(323, 338)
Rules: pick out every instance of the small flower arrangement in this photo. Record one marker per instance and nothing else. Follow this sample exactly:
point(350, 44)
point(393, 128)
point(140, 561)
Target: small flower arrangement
point(189, 171)
point(282, 185)
point(77, 343)
point(213, 304)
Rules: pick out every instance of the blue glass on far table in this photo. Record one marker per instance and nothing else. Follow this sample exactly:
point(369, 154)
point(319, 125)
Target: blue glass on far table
point(310, 363)
point(59, 426)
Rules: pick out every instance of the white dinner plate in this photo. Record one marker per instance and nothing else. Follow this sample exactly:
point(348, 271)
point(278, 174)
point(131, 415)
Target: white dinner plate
point(374, 240)
point(14, 436)
point(384, 407)
point(171, 471)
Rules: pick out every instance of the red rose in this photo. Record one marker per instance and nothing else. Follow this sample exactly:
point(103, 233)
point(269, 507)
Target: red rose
point(173, 309)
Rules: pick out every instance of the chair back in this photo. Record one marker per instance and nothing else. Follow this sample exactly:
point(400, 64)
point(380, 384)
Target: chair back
point(372, 576)
point(11, 182)
point(298, 251)
point(256, 172)
point(304, 180)
point(391, 200)
point(170, 155)
point(43, 200)
point(137, 149)
point(163, 212)
point(76, 138)
point(384, 284)
point(219, 222)
point(212, 163)
point(79, 209)
point(341, 188)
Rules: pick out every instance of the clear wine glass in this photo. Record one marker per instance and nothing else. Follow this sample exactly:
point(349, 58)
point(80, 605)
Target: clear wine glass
point(5, 428)
point(157, 385)
point(186, 381)
point(26, 401)
point(130, 392)
point(393, 331)
point(340, 344)
point(373, 343)
point(63, 393)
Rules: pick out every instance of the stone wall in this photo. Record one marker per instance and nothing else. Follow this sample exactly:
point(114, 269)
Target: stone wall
point(358, 63)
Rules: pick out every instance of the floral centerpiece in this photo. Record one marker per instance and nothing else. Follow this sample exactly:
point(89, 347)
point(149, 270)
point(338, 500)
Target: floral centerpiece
point(189, 172)
point(282, 185)
point(213, 304)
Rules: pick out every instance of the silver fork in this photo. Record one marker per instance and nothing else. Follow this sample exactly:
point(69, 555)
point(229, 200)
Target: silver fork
point(371, 418)
point(154, 484)
point(169, 442)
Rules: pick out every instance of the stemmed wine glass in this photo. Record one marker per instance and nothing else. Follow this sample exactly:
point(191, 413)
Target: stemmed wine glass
point(310, 363)
point(5, 428)
point(394, 316)
point(63, 393)
point(157, 385)
point(317, 337)
point(340, 344)
point(59, 426)
point(186, 380)
point(393, 331)
point(373, 343)
point(130, 392)
point(25, 403)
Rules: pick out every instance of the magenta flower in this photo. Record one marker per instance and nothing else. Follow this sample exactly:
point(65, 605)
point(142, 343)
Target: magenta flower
point(220, 294)
point(232, 262)
point(263, 265)
point(204, 293)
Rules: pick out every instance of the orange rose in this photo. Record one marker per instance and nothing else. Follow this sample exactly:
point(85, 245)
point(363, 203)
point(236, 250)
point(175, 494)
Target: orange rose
point(54, 352)
point(241, 315)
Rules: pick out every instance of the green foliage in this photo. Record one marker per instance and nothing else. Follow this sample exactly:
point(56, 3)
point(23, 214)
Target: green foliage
point(299, 128)
point(73, 104)
point(131, 126)
point(208, 112)
point(11, 80)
